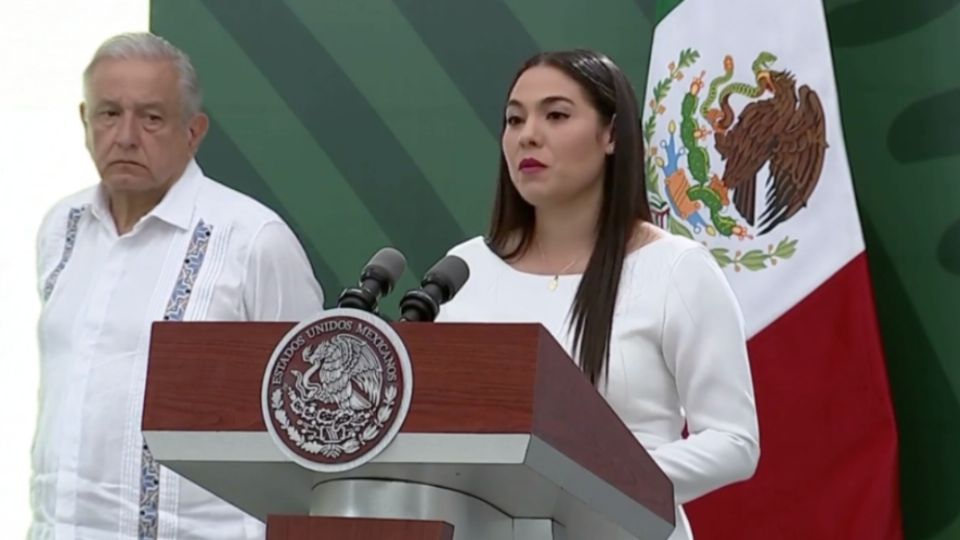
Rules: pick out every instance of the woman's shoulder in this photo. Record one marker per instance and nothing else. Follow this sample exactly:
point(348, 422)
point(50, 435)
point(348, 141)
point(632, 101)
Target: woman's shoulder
point(472, 302)
point(657, 245)
point(475, 252)
point(472, 247)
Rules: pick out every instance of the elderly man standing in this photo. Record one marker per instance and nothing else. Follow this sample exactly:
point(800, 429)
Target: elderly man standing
point(156, 239)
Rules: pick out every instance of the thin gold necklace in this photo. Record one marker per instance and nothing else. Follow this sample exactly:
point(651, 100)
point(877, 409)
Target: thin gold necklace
point(555, 280)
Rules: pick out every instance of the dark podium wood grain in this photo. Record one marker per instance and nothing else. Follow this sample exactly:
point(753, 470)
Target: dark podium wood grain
point(468, 378)
point(326, 528)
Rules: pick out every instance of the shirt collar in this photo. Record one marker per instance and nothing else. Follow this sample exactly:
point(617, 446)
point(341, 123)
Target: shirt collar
point(176, 207)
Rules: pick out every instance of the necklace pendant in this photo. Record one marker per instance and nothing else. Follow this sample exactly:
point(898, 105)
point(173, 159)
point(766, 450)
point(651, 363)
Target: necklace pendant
point(554, 282)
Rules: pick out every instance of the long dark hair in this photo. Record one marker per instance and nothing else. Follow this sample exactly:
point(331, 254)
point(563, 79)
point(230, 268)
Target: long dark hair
point(624, 202)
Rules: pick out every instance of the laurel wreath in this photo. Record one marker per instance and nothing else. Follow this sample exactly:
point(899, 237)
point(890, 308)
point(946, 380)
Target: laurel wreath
point(660, 91)
point(334, 450)
point(755, 259)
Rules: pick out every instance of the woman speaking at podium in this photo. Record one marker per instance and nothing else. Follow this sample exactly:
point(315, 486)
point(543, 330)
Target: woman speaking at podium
point(648, 316)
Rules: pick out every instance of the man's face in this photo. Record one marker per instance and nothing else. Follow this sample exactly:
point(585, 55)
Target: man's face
point(136, 131)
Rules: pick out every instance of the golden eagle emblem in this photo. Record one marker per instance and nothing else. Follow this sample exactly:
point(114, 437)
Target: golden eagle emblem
point(780, 131)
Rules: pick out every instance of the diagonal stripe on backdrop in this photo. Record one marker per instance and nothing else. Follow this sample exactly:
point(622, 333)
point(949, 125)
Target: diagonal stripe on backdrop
point(479, 43)
point(414, 97)
point(232, 164)
point(344, 124)
point(307, 185)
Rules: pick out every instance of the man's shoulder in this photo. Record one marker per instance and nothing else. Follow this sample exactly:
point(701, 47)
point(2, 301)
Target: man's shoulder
point(73, 203)
point(222, 202)
point(79, 199)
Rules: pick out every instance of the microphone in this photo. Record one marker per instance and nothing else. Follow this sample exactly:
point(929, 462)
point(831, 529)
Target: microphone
point(376, 280)
point(439, 285)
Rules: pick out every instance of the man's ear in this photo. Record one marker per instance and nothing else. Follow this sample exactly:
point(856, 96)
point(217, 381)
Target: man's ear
point(197, 128)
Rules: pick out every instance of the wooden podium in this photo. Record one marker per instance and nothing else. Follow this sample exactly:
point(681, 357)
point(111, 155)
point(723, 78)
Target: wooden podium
point(504, 439)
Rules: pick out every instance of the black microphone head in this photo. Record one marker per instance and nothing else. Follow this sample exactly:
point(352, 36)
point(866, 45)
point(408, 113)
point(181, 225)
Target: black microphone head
point(449, 274)
point(376, 279)
point(386, 266)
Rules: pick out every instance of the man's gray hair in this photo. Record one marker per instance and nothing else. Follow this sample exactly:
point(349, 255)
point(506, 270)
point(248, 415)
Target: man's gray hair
point(147, 46)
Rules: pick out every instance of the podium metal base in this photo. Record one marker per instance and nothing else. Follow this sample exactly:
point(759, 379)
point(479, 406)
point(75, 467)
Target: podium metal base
point(472, 518)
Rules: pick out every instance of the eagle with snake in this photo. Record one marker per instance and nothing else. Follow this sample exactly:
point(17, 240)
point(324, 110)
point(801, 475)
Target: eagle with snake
point(786, 130)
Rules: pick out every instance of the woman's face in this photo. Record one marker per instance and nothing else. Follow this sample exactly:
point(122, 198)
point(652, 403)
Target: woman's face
point(555, 143)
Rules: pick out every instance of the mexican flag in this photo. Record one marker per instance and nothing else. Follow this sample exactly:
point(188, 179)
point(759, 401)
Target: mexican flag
point(745, 153)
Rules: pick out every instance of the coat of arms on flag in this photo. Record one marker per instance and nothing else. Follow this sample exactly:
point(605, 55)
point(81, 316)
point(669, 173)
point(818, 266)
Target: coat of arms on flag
point(754, 151)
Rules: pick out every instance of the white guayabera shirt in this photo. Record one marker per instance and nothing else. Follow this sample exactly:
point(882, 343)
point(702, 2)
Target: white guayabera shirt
point(205, 252)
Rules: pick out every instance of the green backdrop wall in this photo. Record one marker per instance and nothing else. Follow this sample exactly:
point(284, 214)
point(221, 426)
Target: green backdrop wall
point(373, 123)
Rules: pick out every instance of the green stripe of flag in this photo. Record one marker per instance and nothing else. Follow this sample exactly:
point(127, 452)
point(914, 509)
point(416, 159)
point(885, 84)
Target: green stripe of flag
point(664, 7)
